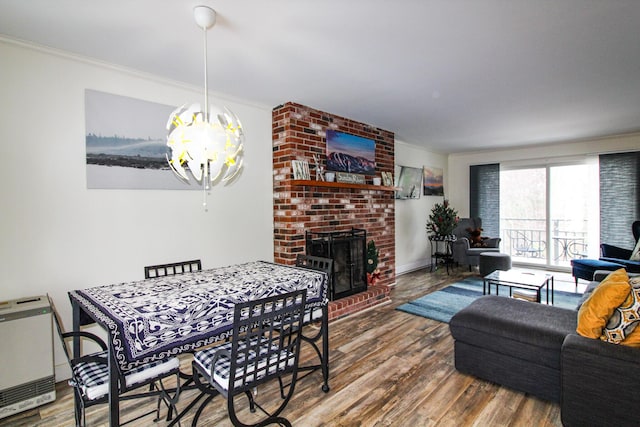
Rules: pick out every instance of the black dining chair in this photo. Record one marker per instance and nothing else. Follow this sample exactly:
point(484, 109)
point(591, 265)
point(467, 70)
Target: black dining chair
point(90, 376)
point(161, 270)
point(256, 354)
point(319, 264)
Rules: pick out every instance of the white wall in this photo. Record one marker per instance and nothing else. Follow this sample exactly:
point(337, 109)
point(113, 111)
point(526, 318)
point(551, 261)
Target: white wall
point(57, 235)
point(459, 163)
point(412, 246)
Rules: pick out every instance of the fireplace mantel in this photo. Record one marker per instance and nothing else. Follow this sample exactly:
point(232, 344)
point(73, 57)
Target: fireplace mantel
point(312, 183)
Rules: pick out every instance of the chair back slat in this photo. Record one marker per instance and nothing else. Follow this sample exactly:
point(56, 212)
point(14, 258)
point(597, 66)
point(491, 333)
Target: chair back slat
point(315, 263)
point(266, 341)
point(319, 264)
point(161, 270)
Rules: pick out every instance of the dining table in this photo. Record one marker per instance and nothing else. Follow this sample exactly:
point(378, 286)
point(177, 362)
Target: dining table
point(161, 317)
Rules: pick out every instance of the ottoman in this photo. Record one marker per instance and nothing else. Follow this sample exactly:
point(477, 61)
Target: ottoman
point(492, 261)
point(513, 343)
point(584, 268)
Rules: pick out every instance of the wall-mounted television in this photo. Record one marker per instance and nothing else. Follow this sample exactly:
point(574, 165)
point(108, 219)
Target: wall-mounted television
point(350, 153)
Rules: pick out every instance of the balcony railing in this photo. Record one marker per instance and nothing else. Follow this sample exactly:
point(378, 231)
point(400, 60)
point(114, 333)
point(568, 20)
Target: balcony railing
point(526, 241)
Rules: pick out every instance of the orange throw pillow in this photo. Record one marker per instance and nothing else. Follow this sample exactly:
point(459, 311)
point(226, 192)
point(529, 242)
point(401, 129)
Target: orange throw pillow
point(598, 308)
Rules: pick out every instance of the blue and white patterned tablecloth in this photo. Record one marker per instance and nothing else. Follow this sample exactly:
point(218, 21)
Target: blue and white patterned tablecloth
point(155, 318)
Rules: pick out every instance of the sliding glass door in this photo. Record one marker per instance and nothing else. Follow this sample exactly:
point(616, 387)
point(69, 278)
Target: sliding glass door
point(549, 214)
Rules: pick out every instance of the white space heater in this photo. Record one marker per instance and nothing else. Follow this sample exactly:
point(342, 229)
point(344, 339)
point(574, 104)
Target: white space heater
point(27, 377)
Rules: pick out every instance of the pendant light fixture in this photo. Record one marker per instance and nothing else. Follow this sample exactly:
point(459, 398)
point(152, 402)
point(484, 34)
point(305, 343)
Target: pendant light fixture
point(209, 141)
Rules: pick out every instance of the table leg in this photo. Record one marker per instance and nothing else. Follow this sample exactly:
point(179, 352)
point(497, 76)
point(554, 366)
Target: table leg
point(548, 284)
point(114, 396)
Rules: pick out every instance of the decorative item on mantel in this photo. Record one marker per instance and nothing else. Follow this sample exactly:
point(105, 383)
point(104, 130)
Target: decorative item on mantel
point(442, 221)
point(209, 143)
point(350, 178)
point(319, 168)
point(300, 169)
point(373, 273)
point(387, 179)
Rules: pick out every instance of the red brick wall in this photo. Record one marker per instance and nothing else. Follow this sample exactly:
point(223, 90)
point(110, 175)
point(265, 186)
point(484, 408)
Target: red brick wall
point(298, 133)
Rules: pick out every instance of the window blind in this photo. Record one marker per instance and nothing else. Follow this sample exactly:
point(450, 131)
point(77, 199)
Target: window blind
point(619, 199)
point(484, 197)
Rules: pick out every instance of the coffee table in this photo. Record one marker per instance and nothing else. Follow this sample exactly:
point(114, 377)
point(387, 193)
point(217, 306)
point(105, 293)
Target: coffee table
point(519, 279)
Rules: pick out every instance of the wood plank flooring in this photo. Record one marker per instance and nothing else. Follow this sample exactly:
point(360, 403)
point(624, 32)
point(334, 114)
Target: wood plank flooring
point(388, 368)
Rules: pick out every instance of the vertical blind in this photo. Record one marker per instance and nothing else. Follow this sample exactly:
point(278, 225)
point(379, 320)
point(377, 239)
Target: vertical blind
point(619, 199)
point(484, 196)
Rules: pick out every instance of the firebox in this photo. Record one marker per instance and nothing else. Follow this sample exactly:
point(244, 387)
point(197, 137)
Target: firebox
point(347, 249)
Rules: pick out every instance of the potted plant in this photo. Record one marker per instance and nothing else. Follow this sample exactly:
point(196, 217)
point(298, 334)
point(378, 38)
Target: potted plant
point(373, 274)
point(443, 220)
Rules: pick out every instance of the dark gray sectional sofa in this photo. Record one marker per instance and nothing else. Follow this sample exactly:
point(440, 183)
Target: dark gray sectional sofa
point(534, 348)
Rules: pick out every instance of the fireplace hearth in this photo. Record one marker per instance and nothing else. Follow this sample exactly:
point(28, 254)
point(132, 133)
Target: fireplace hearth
point(347, 249)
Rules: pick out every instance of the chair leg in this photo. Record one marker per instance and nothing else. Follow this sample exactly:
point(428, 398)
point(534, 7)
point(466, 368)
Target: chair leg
point(252, 403)
point(166, 398)
point(209, 398)
point(78, 408)
point(281, 387)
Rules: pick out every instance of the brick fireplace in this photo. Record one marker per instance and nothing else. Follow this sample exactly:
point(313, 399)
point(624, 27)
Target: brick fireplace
point(299, 206)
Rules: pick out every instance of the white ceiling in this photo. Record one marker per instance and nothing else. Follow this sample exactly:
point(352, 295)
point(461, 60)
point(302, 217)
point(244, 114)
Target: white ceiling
point(450, 75)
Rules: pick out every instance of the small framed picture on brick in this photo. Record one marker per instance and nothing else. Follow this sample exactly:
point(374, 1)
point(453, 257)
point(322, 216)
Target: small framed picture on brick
point(387, 179)
point(300, 169)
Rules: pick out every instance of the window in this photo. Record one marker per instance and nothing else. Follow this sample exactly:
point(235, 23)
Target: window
point(549, 213)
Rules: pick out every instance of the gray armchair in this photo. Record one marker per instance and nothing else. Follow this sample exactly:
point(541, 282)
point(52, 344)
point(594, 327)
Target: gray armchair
point(462, 251)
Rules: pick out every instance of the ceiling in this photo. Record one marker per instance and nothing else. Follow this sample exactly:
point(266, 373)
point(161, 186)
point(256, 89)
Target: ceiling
point(449, 75)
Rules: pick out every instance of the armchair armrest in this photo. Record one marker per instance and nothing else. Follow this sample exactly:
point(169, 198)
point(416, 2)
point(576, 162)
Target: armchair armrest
point(459, 249)
point(492, 242)
point(610, 251)
point(599, 382)
point(461, 242)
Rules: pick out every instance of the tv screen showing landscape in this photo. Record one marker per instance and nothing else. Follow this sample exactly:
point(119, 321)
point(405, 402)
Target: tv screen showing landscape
point(350, 153)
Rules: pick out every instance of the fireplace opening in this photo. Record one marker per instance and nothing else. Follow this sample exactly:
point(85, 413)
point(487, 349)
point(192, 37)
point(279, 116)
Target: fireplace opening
point(347, 249)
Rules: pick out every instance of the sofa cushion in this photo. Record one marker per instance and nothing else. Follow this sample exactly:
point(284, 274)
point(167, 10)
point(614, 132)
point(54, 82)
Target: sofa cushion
point(598, 308)
point(524, 330)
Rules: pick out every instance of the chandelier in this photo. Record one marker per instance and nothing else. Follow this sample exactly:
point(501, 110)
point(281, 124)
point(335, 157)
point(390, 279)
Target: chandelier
point(207, 142)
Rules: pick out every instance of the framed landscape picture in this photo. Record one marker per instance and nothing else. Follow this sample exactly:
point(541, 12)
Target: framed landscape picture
point(126, 144)
point(409, 182)
point(350, 153)
point(432, 181)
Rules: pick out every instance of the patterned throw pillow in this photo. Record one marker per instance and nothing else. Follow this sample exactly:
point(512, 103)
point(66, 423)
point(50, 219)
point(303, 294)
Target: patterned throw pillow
point(635, 255)
point(595, 312)
point(625, 318)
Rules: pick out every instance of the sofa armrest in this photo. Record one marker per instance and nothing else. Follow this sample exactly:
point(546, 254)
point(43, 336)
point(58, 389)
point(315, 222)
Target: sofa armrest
point(600, 383)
